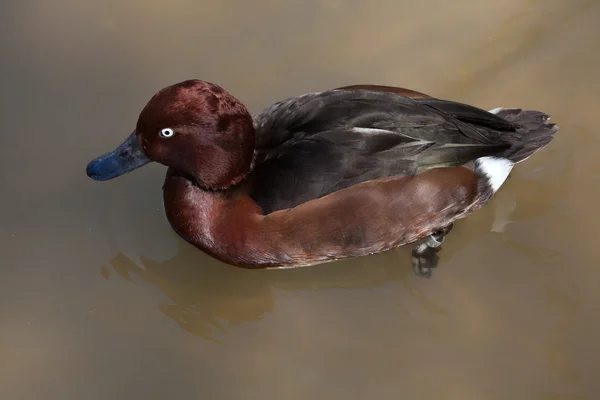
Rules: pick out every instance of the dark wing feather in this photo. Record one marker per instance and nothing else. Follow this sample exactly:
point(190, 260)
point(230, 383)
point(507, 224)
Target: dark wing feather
point(468, 114)
point(316, 144)
point(392, 89)
point(296, 117)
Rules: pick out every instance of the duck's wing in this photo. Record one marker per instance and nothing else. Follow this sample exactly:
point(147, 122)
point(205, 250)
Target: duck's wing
point(316, 144)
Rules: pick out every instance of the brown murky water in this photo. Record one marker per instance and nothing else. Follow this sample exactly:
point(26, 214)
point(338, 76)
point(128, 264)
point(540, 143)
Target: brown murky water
point(99, 299)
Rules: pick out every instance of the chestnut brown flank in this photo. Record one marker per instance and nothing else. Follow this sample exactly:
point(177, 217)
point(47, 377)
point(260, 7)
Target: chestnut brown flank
point(367, 218)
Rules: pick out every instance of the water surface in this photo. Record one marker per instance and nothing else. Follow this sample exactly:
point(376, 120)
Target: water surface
point(99, 299)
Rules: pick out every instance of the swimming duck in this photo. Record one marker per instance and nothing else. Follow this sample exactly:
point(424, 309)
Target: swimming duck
point(325, 176)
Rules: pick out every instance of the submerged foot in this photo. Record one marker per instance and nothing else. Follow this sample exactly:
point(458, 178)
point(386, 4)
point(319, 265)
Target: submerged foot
point(424, 255)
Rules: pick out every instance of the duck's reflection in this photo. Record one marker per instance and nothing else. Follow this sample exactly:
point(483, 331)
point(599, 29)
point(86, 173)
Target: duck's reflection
point(207, 296)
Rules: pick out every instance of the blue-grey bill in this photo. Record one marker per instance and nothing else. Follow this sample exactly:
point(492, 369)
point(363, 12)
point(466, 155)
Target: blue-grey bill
point(125, 158)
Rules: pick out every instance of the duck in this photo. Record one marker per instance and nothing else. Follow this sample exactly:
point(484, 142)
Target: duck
point(325, 176)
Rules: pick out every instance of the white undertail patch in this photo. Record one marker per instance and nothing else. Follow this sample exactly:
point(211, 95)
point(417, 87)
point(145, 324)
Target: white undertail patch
point(496, 110)
point(495, 169)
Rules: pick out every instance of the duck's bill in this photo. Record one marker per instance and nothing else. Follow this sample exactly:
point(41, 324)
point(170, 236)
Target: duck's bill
point(125, 158)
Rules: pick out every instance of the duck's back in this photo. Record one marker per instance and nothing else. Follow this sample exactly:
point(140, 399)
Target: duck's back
point(319, 143)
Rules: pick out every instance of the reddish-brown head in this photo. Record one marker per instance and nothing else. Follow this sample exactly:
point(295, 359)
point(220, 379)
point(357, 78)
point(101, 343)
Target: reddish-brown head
point(195, 127)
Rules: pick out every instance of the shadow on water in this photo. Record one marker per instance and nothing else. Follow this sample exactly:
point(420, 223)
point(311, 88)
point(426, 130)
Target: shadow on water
point(205, 294)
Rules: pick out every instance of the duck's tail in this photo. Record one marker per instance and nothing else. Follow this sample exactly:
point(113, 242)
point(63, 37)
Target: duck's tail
point(534, 132)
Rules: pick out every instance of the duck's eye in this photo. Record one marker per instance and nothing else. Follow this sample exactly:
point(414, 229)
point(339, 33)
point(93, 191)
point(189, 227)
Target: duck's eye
point(167, 132)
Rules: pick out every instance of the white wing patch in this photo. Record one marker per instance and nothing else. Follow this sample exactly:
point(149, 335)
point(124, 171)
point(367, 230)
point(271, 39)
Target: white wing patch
point(370, 130)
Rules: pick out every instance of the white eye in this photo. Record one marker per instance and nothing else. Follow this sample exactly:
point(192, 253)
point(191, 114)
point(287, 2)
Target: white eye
point(167, 132)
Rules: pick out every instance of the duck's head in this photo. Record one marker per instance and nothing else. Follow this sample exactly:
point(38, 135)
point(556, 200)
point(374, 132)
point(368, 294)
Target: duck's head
point(195, 127)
